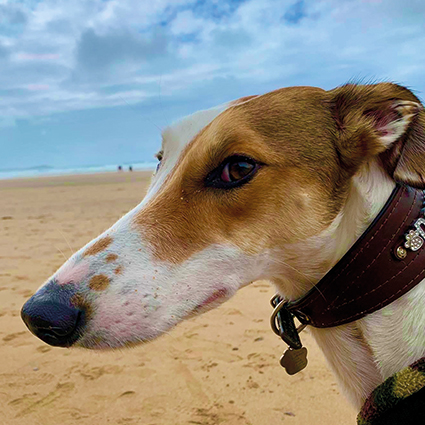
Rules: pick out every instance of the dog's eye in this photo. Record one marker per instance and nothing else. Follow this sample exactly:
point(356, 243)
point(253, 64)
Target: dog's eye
point(236, 170)
point(233, 172)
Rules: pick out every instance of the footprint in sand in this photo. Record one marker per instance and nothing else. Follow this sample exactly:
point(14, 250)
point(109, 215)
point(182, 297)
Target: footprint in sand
point(233, 312)
point(128, 421)
point(13, 336)
point(258, 361)
point(25, 399)
point(96, 372)
point(17, 277)
point(209, 366)
point(218, 414)
point(127, 393)
point(26, 293)
point(255, 333)
point(34, 401)
point(154, 406)
point(220, 351)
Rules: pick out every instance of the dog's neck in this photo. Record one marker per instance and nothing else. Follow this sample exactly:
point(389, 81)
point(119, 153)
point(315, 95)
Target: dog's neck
point(364, 353)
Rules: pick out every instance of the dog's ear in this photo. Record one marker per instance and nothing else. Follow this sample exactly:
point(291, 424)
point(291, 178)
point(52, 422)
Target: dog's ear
point(384, 120)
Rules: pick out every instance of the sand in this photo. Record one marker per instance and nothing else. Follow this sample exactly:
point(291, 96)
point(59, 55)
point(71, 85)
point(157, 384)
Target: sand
point(219, 368)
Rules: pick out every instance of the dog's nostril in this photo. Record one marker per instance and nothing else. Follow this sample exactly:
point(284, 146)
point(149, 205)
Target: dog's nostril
point(61, 332)
point(67, 326)
point(53, 319)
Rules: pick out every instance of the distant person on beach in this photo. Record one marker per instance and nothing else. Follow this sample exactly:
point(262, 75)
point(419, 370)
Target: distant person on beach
point(119, 168)
point(130, 168)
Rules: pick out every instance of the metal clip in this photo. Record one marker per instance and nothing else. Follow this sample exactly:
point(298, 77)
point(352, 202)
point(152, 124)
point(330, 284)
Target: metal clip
point(282, 323)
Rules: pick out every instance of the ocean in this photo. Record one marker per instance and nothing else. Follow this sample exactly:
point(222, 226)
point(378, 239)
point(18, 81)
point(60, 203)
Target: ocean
point(46, 170)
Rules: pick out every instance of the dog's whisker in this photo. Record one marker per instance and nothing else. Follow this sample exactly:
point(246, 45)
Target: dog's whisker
point(309, 279)
point(66, 240)
point(313, 284)
point(319, 291)
point(64, 256)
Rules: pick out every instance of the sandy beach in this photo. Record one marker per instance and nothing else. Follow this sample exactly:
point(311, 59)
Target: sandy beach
point(219, 368)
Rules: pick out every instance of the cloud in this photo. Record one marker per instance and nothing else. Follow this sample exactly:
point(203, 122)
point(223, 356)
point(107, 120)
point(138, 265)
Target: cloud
point(4, 52)
point(80, 48)
point(59, 56)
point(103, 54)
point(295, 12)
point(186, 22)
point(12, 14)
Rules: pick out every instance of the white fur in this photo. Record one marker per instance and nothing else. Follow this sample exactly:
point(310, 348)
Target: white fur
point(175, 138)
point(150, 297)
point(351, 358)
point(396, 128)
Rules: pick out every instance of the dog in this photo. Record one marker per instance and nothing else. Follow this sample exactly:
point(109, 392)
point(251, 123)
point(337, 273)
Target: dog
point(273, 187)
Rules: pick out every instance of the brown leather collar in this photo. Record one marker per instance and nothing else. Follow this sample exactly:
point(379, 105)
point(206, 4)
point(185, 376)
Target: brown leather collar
point(386, 262)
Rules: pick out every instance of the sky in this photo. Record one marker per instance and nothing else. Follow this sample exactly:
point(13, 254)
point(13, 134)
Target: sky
point(92, 82)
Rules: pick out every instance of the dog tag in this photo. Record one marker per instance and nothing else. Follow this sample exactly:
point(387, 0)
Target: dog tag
point(294, 360)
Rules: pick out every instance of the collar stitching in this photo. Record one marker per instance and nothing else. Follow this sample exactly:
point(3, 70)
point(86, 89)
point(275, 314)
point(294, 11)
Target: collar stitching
point(374, 260)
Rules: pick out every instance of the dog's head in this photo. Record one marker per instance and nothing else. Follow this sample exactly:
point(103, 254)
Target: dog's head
point(243, 192)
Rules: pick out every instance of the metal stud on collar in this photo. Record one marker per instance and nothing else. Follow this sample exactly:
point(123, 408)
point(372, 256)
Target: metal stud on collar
point(415, 239)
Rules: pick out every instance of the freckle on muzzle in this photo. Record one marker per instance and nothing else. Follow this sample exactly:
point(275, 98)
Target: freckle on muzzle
point(54, 316)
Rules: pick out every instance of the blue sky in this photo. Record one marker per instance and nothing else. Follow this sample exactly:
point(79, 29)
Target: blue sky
point(93, 82)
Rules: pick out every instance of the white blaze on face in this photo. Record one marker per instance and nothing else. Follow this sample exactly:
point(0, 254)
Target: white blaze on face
point(176, 138)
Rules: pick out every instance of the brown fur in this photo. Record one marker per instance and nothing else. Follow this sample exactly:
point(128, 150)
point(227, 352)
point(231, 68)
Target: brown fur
point(98, 246)
point(99, 282)
point(355, 109)
point(79, 301)
point(310, 142)
point(185, 216)
point(241, 100)
point(111, 257)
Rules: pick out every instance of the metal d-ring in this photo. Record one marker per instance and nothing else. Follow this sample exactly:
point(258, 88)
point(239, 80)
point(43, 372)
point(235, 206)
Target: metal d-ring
point(276, 310)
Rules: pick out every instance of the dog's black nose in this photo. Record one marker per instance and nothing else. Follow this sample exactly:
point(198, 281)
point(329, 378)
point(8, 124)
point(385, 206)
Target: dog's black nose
point(51, 316)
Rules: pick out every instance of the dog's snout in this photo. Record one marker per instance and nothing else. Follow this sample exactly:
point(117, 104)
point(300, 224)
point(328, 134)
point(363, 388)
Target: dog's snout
point(51, 316)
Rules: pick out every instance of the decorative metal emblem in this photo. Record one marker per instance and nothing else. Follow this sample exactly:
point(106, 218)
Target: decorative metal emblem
point(415, 238)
